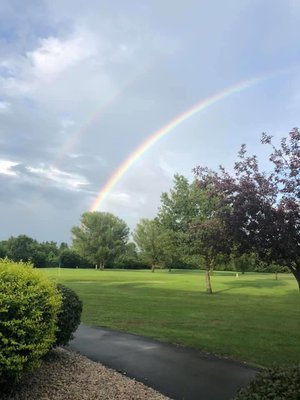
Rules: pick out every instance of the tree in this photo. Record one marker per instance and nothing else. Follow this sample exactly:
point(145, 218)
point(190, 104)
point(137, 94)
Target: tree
point(70, 259)
point(21, 247)
point(188, 213)
point(100, 238)
point(3, 249)
point(129, 257)
point(208, 239)
point(243, 263)
point(177, 211)
point(285, 247)
point(147, 236)
point(260, 211)
point(50, 252)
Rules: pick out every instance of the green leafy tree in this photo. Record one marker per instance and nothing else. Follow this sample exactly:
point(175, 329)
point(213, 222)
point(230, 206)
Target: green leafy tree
point(148, 237)
point(3, 249)
point(179, 207)
point(176, 211)
point(187, 214)
point(21, 247)
point(129, 257)
point(100, 238)
point(70, 259)
point(208, 239)
point(52, 260)
point(63, 246)
point(38, 257)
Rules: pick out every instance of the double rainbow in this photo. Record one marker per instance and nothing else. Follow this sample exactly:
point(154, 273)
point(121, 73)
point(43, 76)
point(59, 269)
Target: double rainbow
point(171, 125)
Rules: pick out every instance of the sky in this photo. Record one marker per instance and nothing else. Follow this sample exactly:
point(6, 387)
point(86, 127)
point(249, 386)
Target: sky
point(84, 84)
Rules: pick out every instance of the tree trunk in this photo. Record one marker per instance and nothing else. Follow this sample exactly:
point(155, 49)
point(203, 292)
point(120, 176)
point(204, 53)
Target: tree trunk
point(207, 281)
point(296, 273)
point(276, 276)
point(153, 268)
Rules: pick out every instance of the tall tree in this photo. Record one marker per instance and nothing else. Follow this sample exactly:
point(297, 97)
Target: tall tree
point(148, 237)
point(100, 237)
point(188, 213)
point(3, 248)
point(21, 247)
point(179, 207)
point(177, 210)
point(260, 211)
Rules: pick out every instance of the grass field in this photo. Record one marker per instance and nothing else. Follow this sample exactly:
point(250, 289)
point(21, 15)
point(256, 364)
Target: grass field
point(253, 318)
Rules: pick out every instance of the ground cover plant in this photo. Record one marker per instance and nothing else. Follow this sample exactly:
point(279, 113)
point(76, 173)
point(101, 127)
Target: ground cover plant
point(253, 318)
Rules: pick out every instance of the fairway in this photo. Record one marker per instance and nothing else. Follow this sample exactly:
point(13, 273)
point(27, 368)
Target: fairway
point(252, 318)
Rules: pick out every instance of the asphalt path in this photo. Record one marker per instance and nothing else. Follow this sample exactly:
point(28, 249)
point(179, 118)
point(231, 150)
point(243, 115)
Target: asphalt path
point(178, 372)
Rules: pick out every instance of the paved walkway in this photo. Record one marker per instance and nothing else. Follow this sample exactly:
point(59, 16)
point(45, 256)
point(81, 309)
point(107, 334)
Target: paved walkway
point(177, 372)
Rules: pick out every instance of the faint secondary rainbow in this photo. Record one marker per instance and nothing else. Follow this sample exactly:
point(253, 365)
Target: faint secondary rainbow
point(76, 136)
point(174, 123)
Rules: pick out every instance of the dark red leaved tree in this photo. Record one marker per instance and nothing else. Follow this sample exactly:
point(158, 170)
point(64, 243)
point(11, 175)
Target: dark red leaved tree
point(259, 211)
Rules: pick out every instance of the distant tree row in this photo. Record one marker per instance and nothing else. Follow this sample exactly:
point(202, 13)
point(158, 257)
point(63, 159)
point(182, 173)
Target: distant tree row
point(45, 254)
point(112, 253)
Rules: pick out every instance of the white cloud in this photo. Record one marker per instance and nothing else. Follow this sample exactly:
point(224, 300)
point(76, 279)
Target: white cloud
point(55, 56)
point(5, 167)
point(60, 178)
point(5, 107)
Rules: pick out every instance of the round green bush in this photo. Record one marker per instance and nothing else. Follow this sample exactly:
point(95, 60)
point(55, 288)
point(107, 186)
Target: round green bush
point(69, 315)
point(273, 384)
point(29, 303)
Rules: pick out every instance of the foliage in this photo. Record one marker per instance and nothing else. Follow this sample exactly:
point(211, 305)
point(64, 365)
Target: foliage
point(191, 227)
point(71, 259)
point(24, 248)
point(260, 211)
point(177, 211)
point(149, 237)
point(3, 249)
point(130, 259)
point(100, 238)
point(277, 383)
point(244, 262)
point(68, 319)
point(29, 303)
point(20, 248)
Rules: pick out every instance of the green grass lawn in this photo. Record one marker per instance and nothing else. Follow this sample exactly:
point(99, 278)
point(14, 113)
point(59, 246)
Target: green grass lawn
point(253, 318)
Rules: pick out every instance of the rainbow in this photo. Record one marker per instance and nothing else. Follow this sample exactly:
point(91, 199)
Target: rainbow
point(97, 114)
point(174, 123)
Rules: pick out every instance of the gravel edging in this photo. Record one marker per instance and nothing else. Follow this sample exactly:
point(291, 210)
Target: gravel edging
point(66, 375)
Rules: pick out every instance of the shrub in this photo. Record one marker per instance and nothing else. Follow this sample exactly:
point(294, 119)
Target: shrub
point(277, 383)
point(69, 315)
point(29, 303)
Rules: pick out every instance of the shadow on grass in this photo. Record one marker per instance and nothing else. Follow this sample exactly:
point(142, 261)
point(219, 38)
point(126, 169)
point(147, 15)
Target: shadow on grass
point(256, 284)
